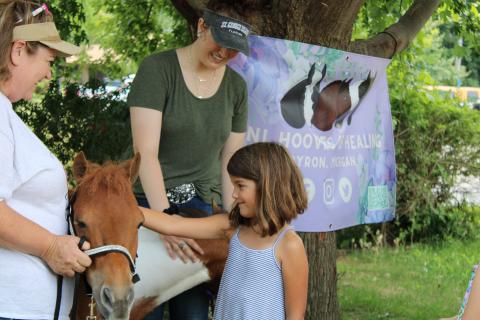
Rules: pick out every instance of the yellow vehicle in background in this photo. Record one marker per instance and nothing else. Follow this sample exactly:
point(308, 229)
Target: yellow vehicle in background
point(468, 95)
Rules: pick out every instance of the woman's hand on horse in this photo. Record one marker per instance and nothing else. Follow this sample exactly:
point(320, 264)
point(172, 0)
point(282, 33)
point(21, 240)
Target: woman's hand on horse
point(64, 257)
point(185, 249)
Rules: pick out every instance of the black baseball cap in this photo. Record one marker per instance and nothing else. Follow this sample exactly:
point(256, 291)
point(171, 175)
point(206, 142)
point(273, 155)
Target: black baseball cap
point(228, 32)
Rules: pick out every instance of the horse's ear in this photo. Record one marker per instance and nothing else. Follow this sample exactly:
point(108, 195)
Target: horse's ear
point(216, 208)
point(80, 165)
point(132, 167)
point(135, 167)
point(324, 71)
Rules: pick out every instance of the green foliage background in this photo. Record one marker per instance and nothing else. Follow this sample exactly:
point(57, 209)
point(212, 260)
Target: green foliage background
point(131, 30)
point(68, 121)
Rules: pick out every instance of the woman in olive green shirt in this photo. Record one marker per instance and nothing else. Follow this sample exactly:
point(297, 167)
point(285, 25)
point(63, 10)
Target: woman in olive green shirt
point(189, 115)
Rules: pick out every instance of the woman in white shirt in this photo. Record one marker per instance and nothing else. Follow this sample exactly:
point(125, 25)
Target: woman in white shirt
point(34, 247)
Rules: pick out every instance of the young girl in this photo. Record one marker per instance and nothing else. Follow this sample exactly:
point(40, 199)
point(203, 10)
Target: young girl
point(266, 273)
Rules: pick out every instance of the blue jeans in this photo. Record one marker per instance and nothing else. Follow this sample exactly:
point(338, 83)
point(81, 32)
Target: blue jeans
point(191, 304)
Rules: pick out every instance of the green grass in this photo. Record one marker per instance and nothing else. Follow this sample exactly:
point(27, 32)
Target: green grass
point(417, 282)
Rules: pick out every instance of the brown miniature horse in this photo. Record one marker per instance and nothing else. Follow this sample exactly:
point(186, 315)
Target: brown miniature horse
point(107, 215)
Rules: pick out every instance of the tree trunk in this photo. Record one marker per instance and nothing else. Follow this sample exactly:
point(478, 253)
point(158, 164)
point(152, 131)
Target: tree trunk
point(327, 23)
point(322, 281)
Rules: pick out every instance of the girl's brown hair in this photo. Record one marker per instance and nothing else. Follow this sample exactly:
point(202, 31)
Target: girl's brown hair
point(15, 13)
point(281, 194)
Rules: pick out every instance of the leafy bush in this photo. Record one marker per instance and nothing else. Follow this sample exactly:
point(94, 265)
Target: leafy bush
point(436, 142)
point(459, 222)
point(69, 122)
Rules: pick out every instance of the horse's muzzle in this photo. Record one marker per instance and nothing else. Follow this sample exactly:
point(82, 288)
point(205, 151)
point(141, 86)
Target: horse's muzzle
point(115, 303)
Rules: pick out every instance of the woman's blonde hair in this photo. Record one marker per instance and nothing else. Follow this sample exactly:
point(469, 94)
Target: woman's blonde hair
point(15, 13)
point(281, 194)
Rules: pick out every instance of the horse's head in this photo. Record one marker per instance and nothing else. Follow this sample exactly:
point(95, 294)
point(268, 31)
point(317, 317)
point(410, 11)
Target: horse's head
point(333, 101)
point(105, 212)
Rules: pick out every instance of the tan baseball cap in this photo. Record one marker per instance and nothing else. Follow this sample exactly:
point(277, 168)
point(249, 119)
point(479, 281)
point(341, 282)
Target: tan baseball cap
point(47, 34)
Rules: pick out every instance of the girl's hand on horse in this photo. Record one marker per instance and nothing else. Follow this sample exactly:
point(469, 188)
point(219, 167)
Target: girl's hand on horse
point(185, 249)
point(64, 257)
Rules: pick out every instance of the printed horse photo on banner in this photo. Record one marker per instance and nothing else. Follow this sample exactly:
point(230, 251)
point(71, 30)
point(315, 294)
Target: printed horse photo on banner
point(103, 210)
point(331, 109)
point(323, 104)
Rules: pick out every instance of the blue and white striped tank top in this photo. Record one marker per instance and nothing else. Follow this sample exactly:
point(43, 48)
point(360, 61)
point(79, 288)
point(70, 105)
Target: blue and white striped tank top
point(252, 285)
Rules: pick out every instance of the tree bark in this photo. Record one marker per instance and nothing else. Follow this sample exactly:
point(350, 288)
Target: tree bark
point(322, 281)
point(327, 23)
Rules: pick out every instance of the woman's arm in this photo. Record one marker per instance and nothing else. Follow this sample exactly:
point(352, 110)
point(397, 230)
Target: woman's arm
point(472, 309)
point(146, 128)
point(293, 258)
point(234, 142)
point(212, 227)
point(61, 253)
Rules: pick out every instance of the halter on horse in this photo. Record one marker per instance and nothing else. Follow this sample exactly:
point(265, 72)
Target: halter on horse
point(106, 214)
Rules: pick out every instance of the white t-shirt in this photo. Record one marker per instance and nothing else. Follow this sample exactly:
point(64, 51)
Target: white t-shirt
point(33, 183)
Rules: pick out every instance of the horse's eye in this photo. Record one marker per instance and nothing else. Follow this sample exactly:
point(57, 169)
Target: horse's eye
point(80, 224)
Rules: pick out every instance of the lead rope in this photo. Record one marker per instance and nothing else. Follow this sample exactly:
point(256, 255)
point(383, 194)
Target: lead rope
point(73, 310)
point(59, 290)
point(59, 297)
point(59, 277)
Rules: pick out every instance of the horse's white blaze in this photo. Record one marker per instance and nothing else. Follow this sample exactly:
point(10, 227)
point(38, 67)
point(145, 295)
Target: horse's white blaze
point(308, 104)
point(354, 101)
point(160, 275)
point(354, 95)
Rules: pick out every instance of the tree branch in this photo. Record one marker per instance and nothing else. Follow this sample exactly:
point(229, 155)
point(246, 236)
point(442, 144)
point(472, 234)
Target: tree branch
point(189, 9)
point(399, 35)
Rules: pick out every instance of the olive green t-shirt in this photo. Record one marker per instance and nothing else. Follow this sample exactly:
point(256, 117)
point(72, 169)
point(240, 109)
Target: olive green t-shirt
point(194, 130)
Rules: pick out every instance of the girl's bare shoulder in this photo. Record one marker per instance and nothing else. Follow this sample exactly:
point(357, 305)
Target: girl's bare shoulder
point(291, 244)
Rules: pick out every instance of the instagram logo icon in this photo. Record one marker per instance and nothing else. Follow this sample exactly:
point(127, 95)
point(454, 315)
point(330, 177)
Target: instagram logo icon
point(328, 191)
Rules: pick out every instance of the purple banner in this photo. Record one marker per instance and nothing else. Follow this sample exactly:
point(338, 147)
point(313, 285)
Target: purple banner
point(331, 109)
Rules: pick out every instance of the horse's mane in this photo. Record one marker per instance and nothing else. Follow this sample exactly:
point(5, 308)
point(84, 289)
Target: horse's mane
point(110, 177)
